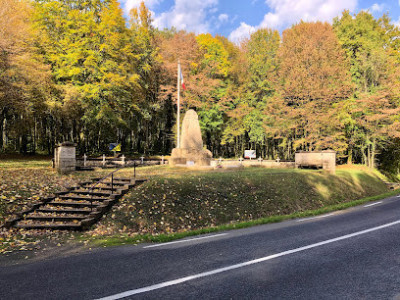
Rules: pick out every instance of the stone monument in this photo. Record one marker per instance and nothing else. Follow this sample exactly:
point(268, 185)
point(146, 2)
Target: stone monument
point(65, 157)
point(191, 152)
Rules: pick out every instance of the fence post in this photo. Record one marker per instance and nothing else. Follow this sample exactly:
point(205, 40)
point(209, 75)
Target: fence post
point(112, 183)
point(84, 159)
point(123, 160)
point(104, 160)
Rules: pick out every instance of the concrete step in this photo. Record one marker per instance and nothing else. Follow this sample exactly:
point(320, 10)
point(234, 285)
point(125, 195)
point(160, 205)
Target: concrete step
point(91, 193)
point(38, 225)
point(105, 188)
point(55, 218)
point(82, 198)
point(108, 184)
point(65, 211)
point(71, 210)
point(72, 203)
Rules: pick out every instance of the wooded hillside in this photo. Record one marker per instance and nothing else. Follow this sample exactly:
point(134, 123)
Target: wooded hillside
point(79, 71)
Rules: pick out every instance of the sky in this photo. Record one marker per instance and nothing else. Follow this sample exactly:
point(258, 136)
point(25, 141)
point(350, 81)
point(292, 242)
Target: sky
point(238, 19)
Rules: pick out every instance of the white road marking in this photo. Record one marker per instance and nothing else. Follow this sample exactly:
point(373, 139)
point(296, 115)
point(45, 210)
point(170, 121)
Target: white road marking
point(188, 240)
point(376, 203)
point(313, 218)
point(244, 264)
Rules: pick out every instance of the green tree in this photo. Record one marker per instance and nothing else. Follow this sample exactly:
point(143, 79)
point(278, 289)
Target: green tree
point(366, 42)
point(258, 65)
point(144, 121)
point(371, 47)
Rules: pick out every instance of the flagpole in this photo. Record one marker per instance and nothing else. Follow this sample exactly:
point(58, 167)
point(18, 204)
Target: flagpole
point(178, 106)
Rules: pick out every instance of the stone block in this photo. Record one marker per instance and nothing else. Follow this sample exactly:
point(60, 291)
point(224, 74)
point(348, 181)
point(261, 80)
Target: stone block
point(65, 158)
point(191, 152)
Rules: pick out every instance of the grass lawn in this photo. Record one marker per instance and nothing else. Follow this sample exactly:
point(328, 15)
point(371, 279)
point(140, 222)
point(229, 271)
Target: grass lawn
point(12, 161)
point(176, 202)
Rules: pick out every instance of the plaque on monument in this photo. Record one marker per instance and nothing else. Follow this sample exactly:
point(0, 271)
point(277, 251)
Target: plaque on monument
point(67, 152)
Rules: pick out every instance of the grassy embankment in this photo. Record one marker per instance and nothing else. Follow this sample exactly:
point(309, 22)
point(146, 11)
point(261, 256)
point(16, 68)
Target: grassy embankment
point(181, 202)
point(176, 203)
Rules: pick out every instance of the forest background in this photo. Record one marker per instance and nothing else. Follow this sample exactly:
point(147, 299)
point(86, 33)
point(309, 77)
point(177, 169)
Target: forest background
point(78, 71)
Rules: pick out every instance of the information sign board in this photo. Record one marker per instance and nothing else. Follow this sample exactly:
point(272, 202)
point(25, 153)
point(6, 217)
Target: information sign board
point(250, 154)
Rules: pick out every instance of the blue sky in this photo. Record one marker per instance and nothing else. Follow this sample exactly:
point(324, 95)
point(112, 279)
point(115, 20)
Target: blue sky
point(237, 19)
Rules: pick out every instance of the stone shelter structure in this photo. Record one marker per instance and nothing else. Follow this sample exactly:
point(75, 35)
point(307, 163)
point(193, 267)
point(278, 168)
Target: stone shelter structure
point(318, 159)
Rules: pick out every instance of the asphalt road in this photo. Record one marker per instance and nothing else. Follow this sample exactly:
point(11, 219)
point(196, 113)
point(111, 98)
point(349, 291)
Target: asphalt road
point(352, 254)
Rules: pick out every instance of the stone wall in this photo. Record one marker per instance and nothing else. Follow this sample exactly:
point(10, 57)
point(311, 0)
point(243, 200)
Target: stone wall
point(269, 164)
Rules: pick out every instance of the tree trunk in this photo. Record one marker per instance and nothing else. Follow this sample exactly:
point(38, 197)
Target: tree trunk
point(350, 156)
point(4, 133)
point(373, 153)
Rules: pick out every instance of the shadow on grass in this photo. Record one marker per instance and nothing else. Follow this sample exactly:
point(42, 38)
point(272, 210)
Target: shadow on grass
point(160, 238)
point(180, 202)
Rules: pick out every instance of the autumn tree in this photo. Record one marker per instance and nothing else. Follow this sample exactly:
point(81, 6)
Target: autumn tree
point(24, 79)
point(261, 52)
point(258, 64)
point(371, 46)
point(78, 70)
point(147, 122)
point(215, 64)
point(182, 46)
point(87, 46)
point(314, 77)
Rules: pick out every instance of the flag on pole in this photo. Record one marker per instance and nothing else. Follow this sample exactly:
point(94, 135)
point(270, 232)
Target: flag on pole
point(182, 81)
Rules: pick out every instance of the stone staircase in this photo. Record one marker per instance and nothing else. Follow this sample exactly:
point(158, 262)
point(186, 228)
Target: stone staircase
point(77, 208)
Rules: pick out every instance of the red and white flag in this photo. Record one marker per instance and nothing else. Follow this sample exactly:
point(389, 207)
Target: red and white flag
point(182, 81)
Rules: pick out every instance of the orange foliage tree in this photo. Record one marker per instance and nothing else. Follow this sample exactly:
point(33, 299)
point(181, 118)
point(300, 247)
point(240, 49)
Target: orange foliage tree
point(314, 76)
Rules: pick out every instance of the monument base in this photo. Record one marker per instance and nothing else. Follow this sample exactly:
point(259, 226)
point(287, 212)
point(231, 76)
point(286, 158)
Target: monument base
point(190, 157)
